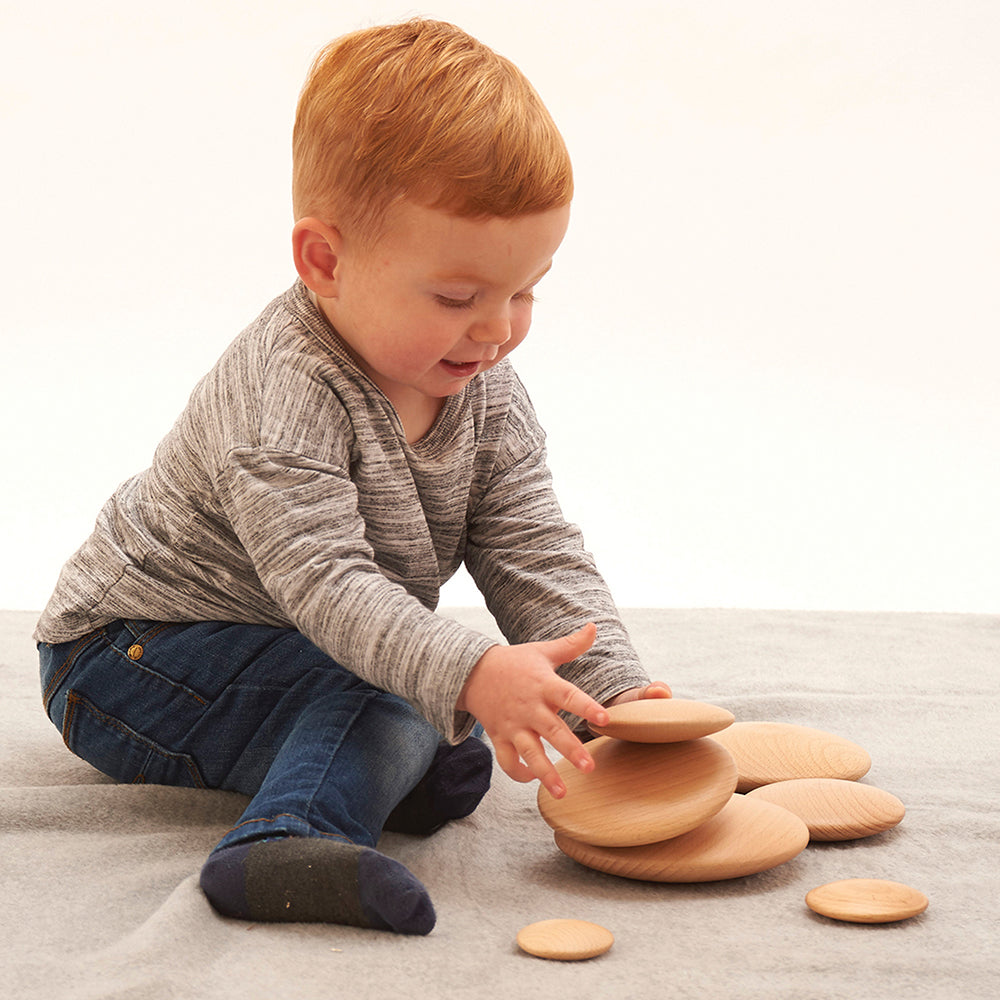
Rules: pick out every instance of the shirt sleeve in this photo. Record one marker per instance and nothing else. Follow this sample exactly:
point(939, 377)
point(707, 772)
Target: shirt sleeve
point(299, 523)
point(538, 580)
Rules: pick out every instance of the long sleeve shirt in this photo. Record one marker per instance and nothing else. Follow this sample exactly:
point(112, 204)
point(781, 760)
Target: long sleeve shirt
point(286, 494)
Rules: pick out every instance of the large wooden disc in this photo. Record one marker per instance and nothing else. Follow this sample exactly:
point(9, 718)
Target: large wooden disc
point(766, 752)
point(746, 837)
point(565, 940)
point(835, 809)
point(640, 793)
point(866, 901)
point(663, 720)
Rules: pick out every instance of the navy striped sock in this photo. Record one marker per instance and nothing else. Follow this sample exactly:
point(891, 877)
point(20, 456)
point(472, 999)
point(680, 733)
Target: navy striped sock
point(316, 880)
point(453, 786)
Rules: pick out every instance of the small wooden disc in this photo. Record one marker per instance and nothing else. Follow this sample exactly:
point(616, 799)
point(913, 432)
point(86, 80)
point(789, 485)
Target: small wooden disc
point(766, 752)
point(745, 838)
point(835, 809)
point(565, 940)
point(663, 720)
point(640, 793)
point(866, 901)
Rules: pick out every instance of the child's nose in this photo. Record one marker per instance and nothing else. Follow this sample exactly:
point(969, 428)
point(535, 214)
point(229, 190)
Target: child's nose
point(495, 330)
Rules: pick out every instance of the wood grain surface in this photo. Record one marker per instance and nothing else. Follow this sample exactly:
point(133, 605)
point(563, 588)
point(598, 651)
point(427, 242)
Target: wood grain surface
point(640, 793)
point(745, 838)
point(766, 752)
point(867, 901)
point(664, 720)
point(835, 809)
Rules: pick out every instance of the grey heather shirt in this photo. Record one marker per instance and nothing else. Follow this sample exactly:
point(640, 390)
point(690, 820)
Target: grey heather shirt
point(286, 494)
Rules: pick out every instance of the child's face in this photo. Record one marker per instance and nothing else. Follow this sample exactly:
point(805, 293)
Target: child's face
point(439, 298)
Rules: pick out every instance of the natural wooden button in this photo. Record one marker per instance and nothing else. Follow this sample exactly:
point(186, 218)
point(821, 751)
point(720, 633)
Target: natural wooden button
point(776, 751)
point(565, 940)
point(640, 793)
point(866, 901)
point(748, 836)
point(835, 809)
point(663, 720)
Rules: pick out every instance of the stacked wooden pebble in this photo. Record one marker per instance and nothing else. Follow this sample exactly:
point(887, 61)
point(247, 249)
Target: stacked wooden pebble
point(683, 793)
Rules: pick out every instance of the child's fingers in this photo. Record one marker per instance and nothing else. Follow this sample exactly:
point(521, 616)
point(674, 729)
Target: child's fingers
point(570, 698)
point(536, 765)
point(561, 738)
point(526, 759)
point(658, 689)
point(510, 762)
point(537, 761)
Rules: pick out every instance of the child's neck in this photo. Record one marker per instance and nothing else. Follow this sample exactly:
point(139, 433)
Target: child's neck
point(417, 414)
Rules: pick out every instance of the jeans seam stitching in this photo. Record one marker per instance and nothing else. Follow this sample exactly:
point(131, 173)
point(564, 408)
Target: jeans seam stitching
point(60, 675)
point(75, 700)
point(329, 764)
point(160, 677)
point(274, 819)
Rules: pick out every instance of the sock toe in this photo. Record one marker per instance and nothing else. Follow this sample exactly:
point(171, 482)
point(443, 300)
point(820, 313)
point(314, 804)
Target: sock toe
point(391, 895)
point(223, 880)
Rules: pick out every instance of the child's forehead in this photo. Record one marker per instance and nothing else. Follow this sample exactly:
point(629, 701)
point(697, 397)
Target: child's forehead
point(471, 276)
point(452, 233)
point(469, 249)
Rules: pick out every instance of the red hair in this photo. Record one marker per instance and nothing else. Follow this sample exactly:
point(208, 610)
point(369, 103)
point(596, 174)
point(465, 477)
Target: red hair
point(424, 111)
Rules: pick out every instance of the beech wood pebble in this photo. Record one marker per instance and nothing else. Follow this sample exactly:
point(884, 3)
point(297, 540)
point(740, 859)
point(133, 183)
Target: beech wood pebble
point(748, 836)
point(640, 793)
point(565, 940)
point(766, 752)
point(663, 720)
point(835, 809)
point(683, 793)
point(867, 901)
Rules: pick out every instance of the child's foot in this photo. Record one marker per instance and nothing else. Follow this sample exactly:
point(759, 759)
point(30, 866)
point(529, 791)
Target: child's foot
point(453, 786)
point(313, 879)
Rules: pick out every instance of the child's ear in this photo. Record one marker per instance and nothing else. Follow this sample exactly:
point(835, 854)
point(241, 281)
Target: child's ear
point(316, 248)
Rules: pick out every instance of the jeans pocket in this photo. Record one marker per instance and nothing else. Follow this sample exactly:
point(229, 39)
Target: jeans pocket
point(120, 752)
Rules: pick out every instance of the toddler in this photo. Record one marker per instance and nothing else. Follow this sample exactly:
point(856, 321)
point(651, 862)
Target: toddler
point(256, 610)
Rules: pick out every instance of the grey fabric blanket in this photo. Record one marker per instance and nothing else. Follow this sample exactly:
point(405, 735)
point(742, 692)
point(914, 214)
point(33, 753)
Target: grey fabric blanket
point(101, 898)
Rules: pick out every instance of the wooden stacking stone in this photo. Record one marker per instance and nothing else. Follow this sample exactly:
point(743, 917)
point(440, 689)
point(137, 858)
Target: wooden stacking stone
point(767, 752)
point(866, 901)
point(640, 793)
point(565, 940)
point(835, 809)
point(746, 837)
point(663, 720)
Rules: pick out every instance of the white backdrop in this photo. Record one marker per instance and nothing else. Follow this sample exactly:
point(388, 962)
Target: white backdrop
point(781, 278)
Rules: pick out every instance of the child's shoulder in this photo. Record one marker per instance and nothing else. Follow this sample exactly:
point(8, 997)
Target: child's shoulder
point(279, 385)
point(288, 348)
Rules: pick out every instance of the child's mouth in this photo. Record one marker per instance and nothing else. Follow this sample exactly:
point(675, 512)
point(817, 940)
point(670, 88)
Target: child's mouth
point(461, 369)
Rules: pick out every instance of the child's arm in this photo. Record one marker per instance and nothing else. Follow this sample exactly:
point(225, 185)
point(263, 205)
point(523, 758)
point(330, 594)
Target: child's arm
point(538, 580)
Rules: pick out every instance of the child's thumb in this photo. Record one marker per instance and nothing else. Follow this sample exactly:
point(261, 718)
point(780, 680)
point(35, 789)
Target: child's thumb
point(569, 647)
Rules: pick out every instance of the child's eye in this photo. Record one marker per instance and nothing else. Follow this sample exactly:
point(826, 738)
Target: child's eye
point(443, 300)
point(527, 297)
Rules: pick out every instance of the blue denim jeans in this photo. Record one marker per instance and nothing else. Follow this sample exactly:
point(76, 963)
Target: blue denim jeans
point(246, 708)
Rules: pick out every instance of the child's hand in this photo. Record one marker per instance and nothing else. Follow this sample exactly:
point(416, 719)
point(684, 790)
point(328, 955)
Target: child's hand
point(658, 689)
point(515, 692)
